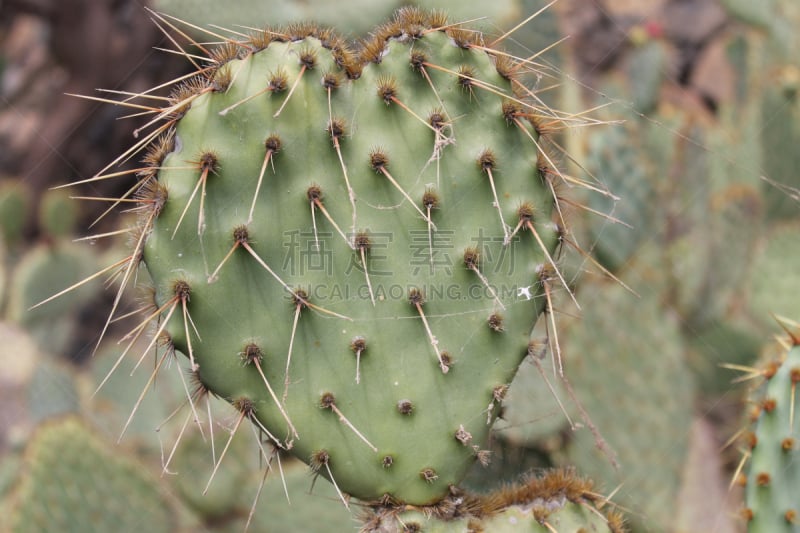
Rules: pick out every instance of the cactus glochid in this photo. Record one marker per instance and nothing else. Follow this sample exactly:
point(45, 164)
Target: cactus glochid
point(351, 245)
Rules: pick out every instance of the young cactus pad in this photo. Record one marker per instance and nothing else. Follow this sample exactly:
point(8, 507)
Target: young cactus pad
point(351, 246)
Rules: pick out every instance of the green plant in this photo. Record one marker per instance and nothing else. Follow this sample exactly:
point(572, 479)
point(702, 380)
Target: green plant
point(74, 481)
point(351, 246)
point(773, 474)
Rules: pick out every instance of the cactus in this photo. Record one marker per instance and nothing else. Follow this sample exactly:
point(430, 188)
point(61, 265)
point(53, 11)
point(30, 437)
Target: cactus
point(15, 202)
point(641, 400)
point(771, 286)
point(352, 247)
point(58, 214)
point(291, 489)
point(773, 475)
point(225, 496)
point(74, 481)
point(556, 501)
point(41, 272)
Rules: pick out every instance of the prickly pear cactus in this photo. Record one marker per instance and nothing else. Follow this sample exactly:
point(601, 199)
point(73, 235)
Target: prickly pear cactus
point(74, 481)
point(773, 478)
point(351, 246)
point(556, 501)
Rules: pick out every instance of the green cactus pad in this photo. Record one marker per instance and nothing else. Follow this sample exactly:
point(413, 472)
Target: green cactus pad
point(638, 391)
point(229, 492)
point(73, 481)
point(15, 203)
point(556, 501)
point(772, 283)
point(352, 248)
point(309, 506)
point(773, 478)
point(58, 214)
point(43, 271)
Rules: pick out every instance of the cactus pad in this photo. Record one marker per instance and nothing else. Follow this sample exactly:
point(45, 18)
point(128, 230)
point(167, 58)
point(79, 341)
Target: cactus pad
point(774, 470)
point(555, 501)
point(352, 246)
point(74, 481)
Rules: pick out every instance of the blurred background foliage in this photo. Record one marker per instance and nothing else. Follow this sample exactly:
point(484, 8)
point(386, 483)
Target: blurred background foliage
point(701, 149)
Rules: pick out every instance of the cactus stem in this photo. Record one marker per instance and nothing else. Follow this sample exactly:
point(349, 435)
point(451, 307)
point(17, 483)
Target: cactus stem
point(320, 459)
point(314, 194)
point(472, 262)
point(379, 161)
point(417, 300)
point(328, 401)
point(272, 145)
point(252, 354)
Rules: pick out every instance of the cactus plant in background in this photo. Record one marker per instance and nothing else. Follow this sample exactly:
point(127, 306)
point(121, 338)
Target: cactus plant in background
point(773, 470)
point(351, 246)
point(74, 481)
